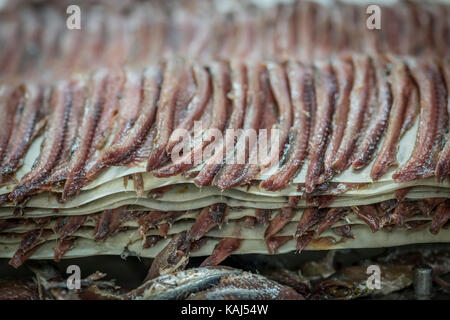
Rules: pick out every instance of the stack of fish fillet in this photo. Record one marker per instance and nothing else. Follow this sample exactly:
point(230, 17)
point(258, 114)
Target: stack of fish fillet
point(89, 166)
point(341, 136)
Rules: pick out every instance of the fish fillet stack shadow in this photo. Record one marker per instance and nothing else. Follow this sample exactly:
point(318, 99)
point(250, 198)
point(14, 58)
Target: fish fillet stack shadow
point(88, 167)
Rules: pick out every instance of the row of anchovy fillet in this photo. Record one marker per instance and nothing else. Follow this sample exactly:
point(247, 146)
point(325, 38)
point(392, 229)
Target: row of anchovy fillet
point(37, 43)
point(333, 113)
point(386, 215)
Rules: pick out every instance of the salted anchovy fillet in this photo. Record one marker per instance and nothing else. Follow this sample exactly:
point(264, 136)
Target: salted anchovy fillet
point(9, 223)
point(52, 145)
point(326, 88)
point(262, 215)
point(428, 205)
point(118, 150)
point(359, 104)
point(110, 221)
point(412, 111)
point(440, 28)
point(369, 215)
point(344, 231)
point(208, 218)
point(125, 149)
point(10, 103)
point(275, 242)
point(310, 218)
point(304, 240)
point(303, 101)
point(344, 71)
point(23, 134)
point(402, 116)
point(325, 34)
point(280, 87)
point(105, 124)
point(258, 153)
point(10, 46)
point(440, 217)
point(401, 194)
point(403, 210)
point(165, 116)
point(92, 111)
point(219, 115)
point(443, 164)
point(129, 107)
point(416, 224)
point(247, 286)
point(285, 31)
point(65, 228)
point(233, 173)
point(102, 130)
point(238, 95)
point(307, 30)
point(432, 125)
point(281, 219)
point(153, 218)
point(378, 121)
point(32, 32)
point(224, 249)
point(181, 284)
point(50, 36)
point(62, 247)
point(173, 257)
point(30, 242)
point(332, 216)
point(92, 47)
point(59, 173)
point(197, 104)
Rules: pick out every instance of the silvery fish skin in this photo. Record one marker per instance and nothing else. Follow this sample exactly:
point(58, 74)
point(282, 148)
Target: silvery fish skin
point(181, 284)
point(247, 286)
